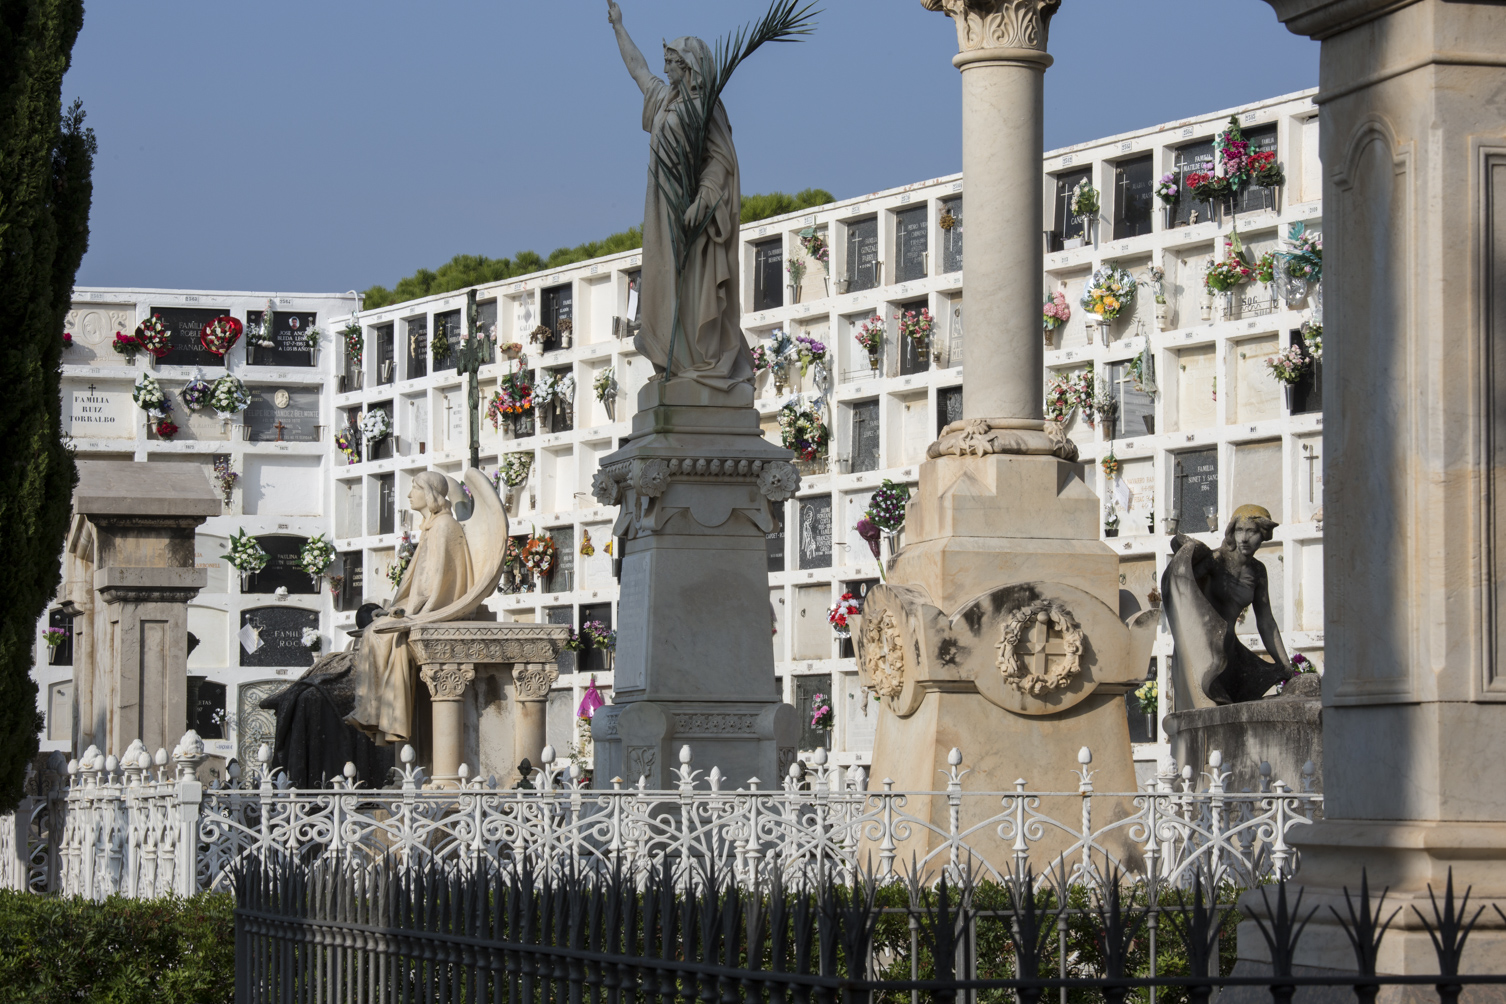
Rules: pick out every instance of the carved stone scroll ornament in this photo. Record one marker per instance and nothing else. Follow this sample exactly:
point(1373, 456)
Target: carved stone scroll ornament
point(998, 24)
point(605, 488)
point(978, 437)
point(883, 654)
point(650, 478)
point(532, 680)
point(1041, 648)
point(447, 680)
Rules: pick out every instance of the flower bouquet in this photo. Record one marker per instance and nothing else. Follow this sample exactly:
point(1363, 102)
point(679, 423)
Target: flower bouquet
point(510, 350)
point(245, 554)
point(1312, 338)
point(1085, 204)
point(220, 334)
point(228, 395)
point(1166, 189)
point(1054, 313)
point(513, 470)
point(1264, 171)
point(316, 556)
point(126, 345)
point(1289, 365)
point(311, 639)
point(538, 555)
point(404, 554)
point(802, 429)
point(55, 636)
point(1110, 464)
point(565, 327)
point(261, 334)
point(1304, 259)
point(513, 396)
point(1265, 268)
point(809, 351)
point(605, 385)
point(822, 717)
point(762, 360)
point(599, 635)
point(375, 425)
point(354, 342)
point(67, 340)
point(1145, 697)
point(795, 266)
point(837, 616)
point(348, 442)
point(195, 393)
point(148, 395)
point(439, 345)
point(1205, 186)
point(152, 335)
point(165, 428)
point(916, 325)
point(886, 506)
point(1069, 392)
point(946, 220)
point(815, 245)
point(871, 337)
point(225, 477)
point(540, 334)
point(1228, 274)
point(1110, 289)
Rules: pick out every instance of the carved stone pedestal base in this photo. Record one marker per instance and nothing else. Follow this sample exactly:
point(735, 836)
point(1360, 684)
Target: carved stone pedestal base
point(743, 740)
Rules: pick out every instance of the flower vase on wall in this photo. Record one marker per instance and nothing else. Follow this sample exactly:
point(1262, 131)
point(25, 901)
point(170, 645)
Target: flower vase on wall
point(1050, 337)
point(1205, 307)
point(1163, 317)
point(1233, 304)
point(1092, 325)
point(875, 360)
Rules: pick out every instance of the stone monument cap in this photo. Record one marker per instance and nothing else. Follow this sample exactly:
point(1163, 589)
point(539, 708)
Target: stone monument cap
point(116, 487)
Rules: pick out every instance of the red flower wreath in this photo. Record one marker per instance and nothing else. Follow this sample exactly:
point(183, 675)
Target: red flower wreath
point(220, 334)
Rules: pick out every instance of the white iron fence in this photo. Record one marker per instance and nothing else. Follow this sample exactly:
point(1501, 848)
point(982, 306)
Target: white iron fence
point(142, 828)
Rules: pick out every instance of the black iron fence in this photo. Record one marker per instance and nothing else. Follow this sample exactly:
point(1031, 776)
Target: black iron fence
point(337, 931)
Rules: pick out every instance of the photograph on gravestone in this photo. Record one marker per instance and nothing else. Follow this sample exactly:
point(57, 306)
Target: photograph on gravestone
point(283, 415)
point(254, 724)
point(1064, 226)
point(383, 338)
point(183, 326)
point(562, 615)
point(768, 274)
point(862, 254)
point(386, 503)
point(807, 688)
point(951, 239)
point(590, 658)
point(1195, 490)
point(774, 541)
point(1133, 197)
point(558, 305)
point(281, 569)
point(815, 532)
point(915, 354)
point(206, 708)
point(418, 347)
point(290, 330)
point(911, 242)
point(448, 330)
point(276, 636)
point(865, 437)
point(352, 589)
point(1187, 158)
point(561, 578)
point(948, 407)
point(1137, 409)
point(100, 411)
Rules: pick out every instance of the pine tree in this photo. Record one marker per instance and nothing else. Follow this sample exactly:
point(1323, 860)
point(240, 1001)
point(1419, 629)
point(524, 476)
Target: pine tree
point(46, 156)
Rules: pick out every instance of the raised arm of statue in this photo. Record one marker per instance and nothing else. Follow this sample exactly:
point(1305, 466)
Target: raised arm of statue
point(636, 64)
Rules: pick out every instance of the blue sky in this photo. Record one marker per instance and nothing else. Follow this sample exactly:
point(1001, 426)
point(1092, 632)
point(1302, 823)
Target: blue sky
point(328, 145)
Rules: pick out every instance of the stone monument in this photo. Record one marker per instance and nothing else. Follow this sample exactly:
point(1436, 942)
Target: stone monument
point(129, 576)
point(697, 484)
point(997, 630)
point(1414, 686)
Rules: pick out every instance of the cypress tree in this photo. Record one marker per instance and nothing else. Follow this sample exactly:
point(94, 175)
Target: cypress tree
point(46, 156)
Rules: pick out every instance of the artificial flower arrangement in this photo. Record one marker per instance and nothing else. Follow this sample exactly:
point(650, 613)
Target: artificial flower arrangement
point(809, 351)
point(404, 554)
point(540, 334)
point(538, 555)
point(946, 220)
point(554, 389)
point(165, 427)
point(1312, 338)
point(1111, 519)
point(886, 506)
point(1110, 289)
point(509, 350)
point(126, 345)
point(871, 335)
point(1105, 404)
point(587, 549)
point(915, 325)
point(1145, 697)
point(312, 336)
point(822, 717)
point(1233, 271)
point(1304, 259)
point(802, 429)
point(219, 335)
point(148, 395)
point(311, 639)
point(599, 635)
point(152, 335)
point(1084, 200)
point(1300, 664)
point(605, 384)
point(1264, 171)
point(245, 554)
point(1288, 365)
point(316, 556)
point(1265, 268)
point(837, 616)
point(55, 636)
point(1155, 278)
point(1233, 149)
point(67, 339)
point(565, 327)
point(1110, 464)
point(354, 342)
point(1205, 186)
point(439, 345)
point(1055, 312)
point(195, 393)
point(513, 396)
point(815, 245)
point(1142, 371)
point(225, 476)
point(348, 442)
point(375, 425)
point(795, 266)
point(1166, 188)
point(514, 468)
point(1070, 392)
point(336, 584)
point(762, 360)
point(228, 395)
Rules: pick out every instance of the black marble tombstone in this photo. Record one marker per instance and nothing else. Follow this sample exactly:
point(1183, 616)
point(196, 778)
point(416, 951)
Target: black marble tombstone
point(283, 415)
point(774, 542)
point(591, 659)
point(561, 578)
point(206, 707)
point(862, 254)
point(289, 328)
point(865, 436)
point(815, 532)
point(807, 688)
point(281, 569)
point(183, 326)
point(1195, 490)
point(1307, 393)
point(353, 565)
point(951, 240)
point(386, 363)
point(768, 274)
point(1254, 198)
point(1133, 197)
point(911, 242)
point(1137, 409)
point(281, 632)
point(948, 407)
point(1065, 226)
point(557, 303)
point(386, 503)
point(450, 326)
point(1187, 158)
point(418, 348)
point(562, 615)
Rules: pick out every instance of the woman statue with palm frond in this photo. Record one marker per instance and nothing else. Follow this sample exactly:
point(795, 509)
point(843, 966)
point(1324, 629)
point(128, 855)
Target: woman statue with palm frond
point(709, 347)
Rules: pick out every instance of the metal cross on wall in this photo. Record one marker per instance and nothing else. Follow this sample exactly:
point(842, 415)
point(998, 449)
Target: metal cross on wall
point(474, 350)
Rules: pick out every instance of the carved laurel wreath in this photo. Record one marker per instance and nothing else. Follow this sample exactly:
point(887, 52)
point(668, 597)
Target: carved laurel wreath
point(1016, 673)
point(883, 654)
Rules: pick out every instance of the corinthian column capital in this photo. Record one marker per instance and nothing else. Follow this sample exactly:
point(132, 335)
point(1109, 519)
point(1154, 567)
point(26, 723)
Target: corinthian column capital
point(998, 24)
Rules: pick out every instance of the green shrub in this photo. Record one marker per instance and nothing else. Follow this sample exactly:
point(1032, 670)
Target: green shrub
point(120, 951)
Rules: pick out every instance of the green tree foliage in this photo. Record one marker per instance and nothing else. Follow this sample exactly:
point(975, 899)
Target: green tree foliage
point(471, 270)
point(46, 156)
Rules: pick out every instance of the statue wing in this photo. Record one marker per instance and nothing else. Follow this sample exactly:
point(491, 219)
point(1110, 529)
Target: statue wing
point(486, 540)
point(1196, 628)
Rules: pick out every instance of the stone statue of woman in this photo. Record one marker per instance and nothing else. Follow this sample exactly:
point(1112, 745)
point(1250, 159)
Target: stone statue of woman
point(710, 349)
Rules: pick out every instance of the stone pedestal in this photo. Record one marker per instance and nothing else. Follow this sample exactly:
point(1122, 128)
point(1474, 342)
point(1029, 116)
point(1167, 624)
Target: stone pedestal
point(1284, 732)
point(514, 665)
point(131, 546)
point(699, 488)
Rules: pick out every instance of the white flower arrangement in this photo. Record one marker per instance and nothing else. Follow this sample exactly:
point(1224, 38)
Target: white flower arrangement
point(375, 425)
point(605, 384)
point(553, 388)
point(514, 468)
point(311, 639)
point(262, 337)
point(229, 396)
point(245, 554)
point(149, 397)
point(316, 556)
point(312, 337)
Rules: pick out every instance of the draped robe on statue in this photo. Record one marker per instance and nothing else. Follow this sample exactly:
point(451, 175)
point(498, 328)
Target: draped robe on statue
point(439, 575)
point(710, 350)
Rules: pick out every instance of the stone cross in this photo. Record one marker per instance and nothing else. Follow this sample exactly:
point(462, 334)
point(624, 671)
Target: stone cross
point(1040, 645)
point(279, 427)
point(469, 355)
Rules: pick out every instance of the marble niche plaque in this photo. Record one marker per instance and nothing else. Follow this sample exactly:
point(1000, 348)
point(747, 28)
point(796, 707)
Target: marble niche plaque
point(288, 330)
point(281, 570)
point(815, 532)
point(93, 327)
point(95, 411)
point(294, 409)
point(280, 630)
point(1195, 486)
point(183, 326)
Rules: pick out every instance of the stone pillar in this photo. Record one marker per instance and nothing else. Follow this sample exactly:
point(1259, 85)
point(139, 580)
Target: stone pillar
point(1414, 684)
point(531, 683)
point(447, 682)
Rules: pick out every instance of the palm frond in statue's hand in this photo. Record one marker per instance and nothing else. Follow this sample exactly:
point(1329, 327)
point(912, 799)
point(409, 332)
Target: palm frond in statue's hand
point(679, 160)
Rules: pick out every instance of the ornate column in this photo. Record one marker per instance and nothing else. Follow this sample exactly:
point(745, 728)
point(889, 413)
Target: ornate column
point(531, 682)
point(447, 682)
